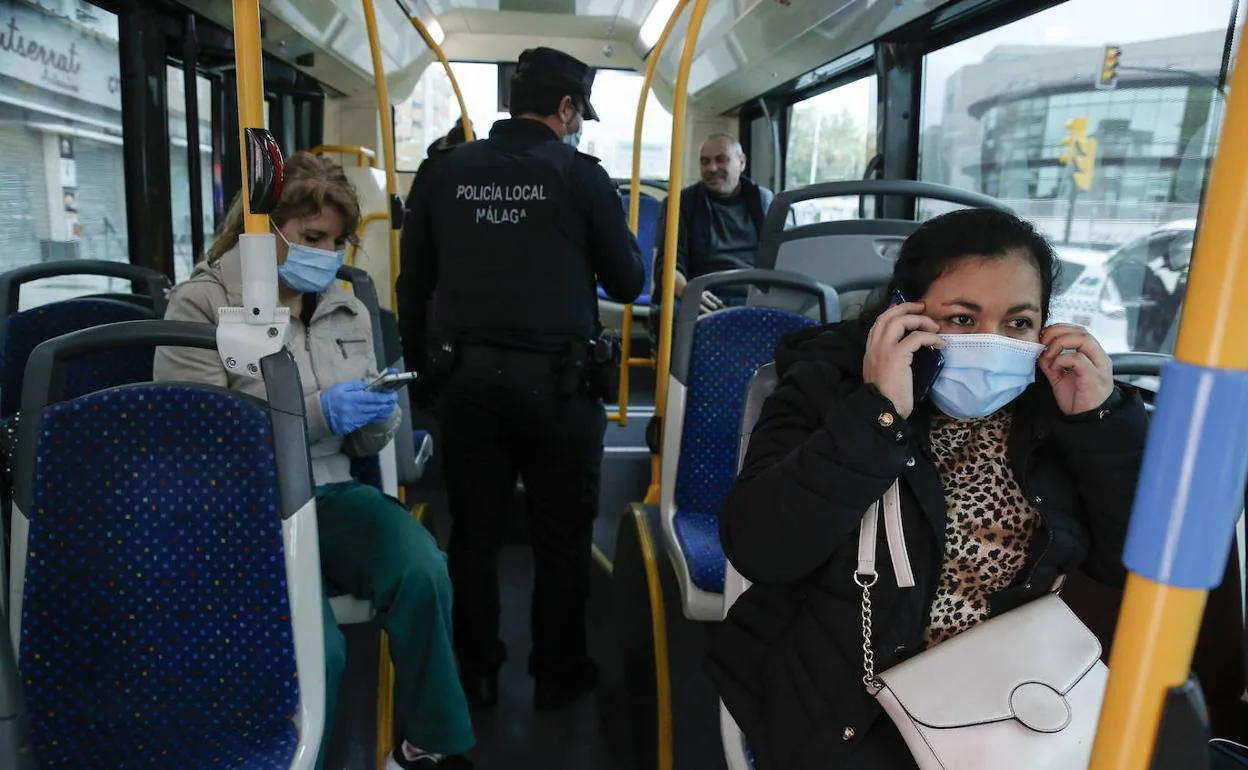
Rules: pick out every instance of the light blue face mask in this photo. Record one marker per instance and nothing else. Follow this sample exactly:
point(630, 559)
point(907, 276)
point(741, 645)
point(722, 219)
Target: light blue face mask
point(571, 139)
point(309, 269)
point(982, 373)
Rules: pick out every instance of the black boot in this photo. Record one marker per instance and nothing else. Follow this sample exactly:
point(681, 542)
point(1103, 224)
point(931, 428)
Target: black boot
point(553, 691)
point(481, 690)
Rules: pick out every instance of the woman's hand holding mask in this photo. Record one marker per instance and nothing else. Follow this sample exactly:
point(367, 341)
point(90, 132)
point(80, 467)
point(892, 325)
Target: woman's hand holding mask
point(1078, 368)
point(894, 339)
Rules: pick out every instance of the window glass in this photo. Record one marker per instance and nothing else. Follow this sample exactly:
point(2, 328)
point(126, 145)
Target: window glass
point(616, 94)
point(831, 139)
point(762, 152)
point(183, 256)
point(62, 183)
point(431, 110)
point(1000, 111)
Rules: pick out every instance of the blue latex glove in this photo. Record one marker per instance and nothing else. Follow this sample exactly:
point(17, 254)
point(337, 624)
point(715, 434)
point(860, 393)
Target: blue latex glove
point(349, 406)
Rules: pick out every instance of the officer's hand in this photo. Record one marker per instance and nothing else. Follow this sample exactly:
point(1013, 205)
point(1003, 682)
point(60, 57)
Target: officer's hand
point(710, 303)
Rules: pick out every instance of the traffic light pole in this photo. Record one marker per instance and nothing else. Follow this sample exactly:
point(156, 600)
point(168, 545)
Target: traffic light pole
point(1070, 206)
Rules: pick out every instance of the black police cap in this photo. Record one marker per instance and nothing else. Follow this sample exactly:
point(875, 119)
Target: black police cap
point(559, 69)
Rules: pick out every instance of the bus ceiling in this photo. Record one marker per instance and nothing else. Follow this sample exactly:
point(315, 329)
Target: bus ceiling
point(742, 54)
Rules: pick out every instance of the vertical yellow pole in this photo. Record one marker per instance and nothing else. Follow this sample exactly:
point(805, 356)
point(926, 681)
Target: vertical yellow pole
point(675, 179)
point(1191, 489)
point(385, 674)
point(249, 69)
point(634, 201)
point(387, 139)
point(459, 95)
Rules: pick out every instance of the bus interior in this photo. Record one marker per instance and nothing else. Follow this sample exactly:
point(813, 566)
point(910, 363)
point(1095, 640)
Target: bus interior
point(1100, 121)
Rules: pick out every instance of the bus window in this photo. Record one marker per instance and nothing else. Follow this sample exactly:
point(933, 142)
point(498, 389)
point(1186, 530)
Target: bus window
point(62, 182)
point(430, 111)
point(183, 255)
point(762, 152)
point(1108, 159)
point(831, 139)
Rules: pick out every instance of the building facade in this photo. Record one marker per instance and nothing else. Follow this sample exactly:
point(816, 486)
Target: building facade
point(1005, 119)
point(62, 182)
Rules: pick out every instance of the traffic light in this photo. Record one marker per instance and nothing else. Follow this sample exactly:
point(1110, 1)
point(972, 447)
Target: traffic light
point(1080, 153)
point(1107, 77)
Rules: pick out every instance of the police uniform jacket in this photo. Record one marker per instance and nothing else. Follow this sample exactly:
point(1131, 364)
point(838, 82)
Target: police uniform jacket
point(513, 233)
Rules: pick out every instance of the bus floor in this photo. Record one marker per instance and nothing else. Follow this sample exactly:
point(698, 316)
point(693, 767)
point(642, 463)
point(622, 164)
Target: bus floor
point(513, 733)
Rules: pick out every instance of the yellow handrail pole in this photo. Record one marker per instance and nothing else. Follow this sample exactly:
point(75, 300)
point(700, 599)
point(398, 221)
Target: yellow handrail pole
point(365, 221)
point(459, 95)
point(634, 202)
point(364, 156)
point(249, 69)
point(675, 178)
point(658, 635)
point(1162, 609)
point(387, 140)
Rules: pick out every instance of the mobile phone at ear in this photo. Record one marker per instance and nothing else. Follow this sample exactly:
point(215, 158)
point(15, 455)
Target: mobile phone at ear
point(927, 362)
point(388, 383)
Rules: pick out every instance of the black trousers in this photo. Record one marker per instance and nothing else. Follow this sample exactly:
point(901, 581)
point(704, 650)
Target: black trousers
point(503, 415)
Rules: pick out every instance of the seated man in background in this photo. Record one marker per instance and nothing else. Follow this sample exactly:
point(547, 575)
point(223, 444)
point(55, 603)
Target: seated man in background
point(721, 220)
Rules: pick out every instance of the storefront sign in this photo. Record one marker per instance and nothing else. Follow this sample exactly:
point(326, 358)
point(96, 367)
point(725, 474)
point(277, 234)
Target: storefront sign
point(53, 53)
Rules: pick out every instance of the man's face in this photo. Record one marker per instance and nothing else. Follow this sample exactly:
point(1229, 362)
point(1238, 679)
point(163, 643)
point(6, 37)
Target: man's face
point(722, 165)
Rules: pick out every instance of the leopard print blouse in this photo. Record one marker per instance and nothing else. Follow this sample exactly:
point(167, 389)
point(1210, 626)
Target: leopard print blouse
point(989, 521)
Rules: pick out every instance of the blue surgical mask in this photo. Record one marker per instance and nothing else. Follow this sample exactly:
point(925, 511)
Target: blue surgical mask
point(573, 139)
point(309, 269)
point(982, 373)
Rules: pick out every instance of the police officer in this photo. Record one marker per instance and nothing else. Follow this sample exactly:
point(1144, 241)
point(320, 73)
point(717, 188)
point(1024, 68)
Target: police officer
point(512, 233)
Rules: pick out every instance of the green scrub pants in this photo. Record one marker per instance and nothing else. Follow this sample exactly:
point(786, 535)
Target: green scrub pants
point(372, 548)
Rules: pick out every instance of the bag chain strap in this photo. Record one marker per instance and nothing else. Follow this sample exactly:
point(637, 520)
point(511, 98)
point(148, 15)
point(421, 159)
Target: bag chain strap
point(868, 656)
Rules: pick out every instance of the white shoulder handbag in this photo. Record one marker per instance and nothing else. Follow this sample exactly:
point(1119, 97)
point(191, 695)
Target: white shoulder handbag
point(1022, 690)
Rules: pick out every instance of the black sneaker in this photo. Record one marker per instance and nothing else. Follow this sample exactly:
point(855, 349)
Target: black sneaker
point(399, 761)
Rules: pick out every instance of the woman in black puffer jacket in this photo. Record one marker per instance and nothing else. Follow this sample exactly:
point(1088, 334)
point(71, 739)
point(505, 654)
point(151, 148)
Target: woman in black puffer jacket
point(1008, 480)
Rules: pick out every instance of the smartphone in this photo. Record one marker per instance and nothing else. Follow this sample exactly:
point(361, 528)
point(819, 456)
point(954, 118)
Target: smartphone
point(927, 361)
point(388, 383)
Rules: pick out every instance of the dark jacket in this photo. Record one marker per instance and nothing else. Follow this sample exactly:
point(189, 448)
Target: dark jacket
point(433, 153)
point(788, 659)
point(693, 246)
point(513, 232)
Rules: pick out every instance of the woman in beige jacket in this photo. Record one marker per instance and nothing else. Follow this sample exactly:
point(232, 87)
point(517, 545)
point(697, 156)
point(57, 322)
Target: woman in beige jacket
point(370, 546)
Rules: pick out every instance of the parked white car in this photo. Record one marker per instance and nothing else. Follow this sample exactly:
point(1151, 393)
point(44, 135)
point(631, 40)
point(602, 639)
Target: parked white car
point(1129, 298)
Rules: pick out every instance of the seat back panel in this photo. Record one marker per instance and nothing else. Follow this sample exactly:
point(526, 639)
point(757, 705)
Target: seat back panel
point(854, 257)
point(647, 236)
point(728, 347)
point(155, 583)
point(24, 331)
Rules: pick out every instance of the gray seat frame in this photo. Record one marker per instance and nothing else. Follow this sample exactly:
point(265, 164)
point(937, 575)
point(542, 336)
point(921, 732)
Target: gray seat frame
point(156, 283)
point(854, 256)
point(762, 385)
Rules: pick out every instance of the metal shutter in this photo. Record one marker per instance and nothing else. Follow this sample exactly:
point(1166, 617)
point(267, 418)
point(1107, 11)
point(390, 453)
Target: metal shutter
point(101, 200)
point(23, 192)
